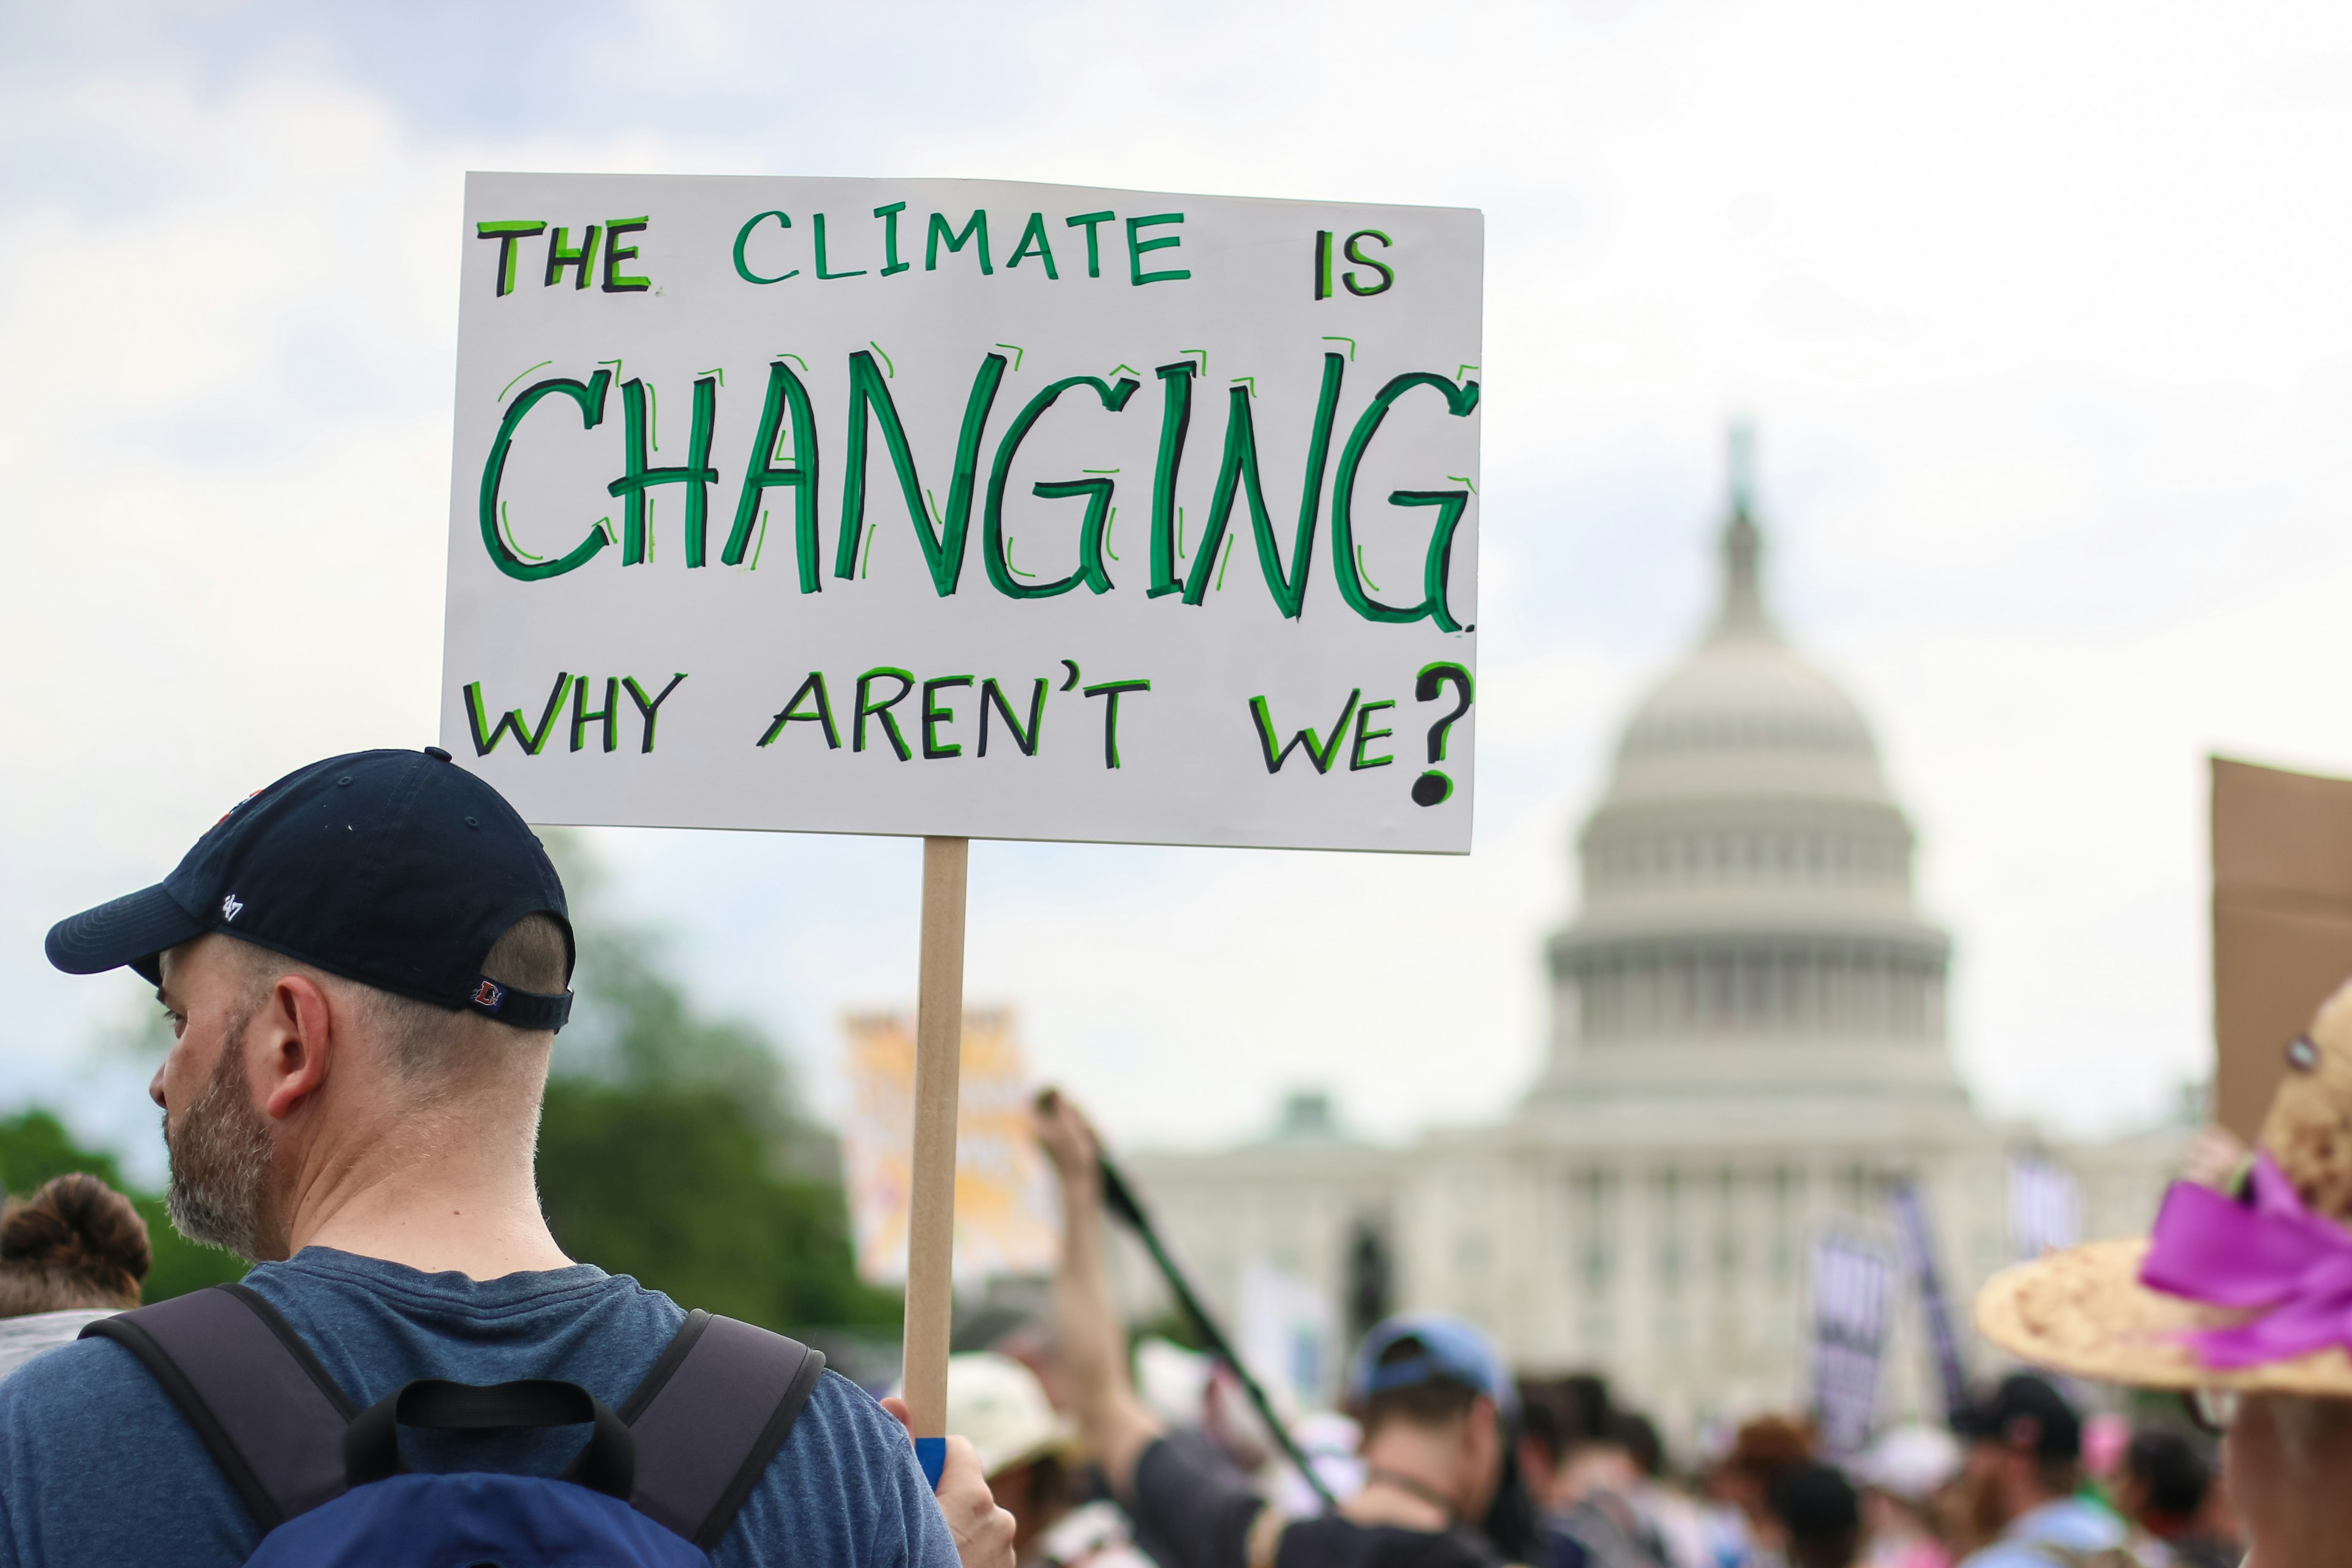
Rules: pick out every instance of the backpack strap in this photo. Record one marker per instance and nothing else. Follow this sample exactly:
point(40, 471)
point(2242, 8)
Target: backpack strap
point(709, 1416)
point(706, 1420)
point(267, 1412)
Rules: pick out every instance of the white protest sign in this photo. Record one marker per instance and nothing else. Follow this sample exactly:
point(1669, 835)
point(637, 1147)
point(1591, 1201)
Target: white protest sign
point(966, 508)
point(1288, 1334)
point(1853, 1284)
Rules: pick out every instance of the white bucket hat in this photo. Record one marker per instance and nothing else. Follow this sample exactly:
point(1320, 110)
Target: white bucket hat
point(1001, 1406)
point(1912, 1462)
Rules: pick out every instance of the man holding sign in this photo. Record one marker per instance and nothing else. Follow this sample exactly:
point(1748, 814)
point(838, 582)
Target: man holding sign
point(365, 965)
point(1098, 515)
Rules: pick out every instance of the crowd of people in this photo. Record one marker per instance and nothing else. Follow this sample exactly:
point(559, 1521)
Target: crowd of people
point(1455, 1462)
point(366, 966)
point(1444, 1460)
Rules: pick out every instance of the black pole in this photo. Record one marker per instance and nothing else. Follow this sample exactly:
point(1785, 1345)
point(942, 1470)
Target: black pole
point(1119, 1199)
point(1919, 1241)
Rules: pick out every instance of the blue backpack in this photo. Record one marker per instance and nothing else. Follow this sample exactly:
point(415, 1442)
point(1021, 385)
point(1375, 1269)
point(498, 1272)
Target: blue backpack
point(655, 1486)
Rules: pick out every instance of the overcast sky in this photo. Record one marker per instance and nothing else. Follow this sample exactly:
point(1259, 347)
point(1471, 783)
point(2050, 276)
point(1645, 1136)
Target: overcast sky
point(2041, 310)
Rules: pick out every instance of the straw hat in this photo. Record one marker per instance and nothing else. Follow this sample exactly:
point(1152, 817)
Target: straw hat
point(2230, 1262)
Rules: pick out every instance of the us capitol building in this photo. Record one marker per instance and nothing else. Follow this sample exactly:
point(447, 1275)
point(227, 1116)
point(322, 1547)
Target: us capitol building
point(1747, 1048)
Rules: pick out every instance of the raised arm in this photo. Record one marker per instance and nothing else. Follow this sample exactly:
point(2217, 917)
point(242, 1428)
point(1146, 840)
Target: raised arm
point(1115, 1425)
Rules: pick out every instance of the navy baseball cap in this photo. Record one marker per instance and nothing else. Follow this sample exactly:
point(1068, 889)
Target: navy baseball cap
point(398, 869)
point(1442, 1350)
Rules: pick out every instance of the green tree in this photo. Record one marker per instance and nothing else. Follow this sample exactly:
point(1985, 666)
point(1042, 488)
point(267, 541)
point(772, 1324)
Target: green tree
point(672, 1149)
point(674, 1185)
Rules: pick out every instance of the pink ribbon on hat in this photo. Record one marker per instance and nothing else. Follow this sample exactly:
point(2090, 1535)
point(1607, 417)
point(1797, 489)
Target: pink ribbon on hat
point(2273, 1255)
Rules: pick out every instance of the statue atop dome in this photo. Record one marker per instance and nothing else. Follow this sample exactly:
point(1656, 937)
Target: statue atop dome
point(1743, 596)
point(1744, 712)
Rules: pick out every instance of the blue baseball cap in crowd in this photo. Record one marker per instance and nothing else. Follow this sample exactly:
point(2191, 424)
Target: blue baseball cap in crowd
point(1444, 1350)
point(398, 869)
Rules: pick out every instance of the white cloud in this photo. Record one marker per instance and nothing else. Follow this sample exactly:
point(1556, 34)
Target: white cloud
point(2039, 308)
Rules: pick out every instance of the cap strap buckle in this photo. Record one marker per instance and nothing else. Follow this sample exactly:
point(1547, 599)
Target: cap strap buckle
point(531, 1010)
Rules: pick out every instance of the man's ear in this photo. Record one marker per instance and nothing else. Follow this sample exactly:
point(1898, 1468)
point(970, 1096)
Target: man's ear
point(293, 1045)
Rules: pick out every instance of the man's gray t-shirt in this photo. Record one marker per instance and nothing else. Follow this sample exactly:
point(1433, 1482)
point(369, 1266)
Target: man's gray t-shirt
point(98, 1466)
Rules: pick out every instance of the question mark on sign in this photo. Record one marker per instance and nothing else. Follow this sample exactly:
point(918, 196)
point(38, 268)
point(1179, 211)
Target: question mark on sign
point(1433, 787)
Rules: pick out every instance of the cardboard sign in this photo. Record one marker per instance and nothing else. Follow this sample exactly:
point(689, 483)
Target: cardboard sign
point(1008, 1218)
point(966, 508)
point(2282, 923)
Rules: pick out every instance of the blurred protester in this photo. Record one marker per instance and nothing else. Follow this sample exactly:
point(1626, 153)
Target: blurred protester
point(1543, 1455)
point(1674, 1517)
point(1431, 1396)
point(1229, 1420)
point(1428, 1392)
point(1903, 1475)
point(1816, 1517)
point(2162, 1488)
point(2218, 1521)
point(2288, 1457)
point(1761, 1450)
point(2105, 1436)
point(72, 1253)
point(1581, 1477)
point(2023, 1468)
point(1029, 1339)
point(1195, 1392)
point(1000, 1405)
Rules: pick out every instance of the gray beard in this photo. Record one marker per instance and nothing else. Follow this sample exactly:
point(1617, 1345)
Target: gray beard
point(220, 1159)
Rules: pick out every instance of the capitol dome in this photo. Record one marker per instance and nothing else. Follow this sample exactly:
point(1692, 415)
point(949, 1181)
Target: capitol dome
point(1748, 924)
point(1744, 713)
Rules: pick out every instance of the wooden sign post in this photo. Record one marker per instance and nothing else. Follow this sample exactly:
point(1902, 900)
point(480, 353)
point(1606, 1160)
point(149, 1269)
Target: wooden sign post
point(930, 1223)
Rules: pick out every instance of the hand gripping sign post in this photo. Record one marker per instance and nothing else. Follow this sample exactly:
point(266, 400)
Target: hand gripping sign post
point(1098, 515)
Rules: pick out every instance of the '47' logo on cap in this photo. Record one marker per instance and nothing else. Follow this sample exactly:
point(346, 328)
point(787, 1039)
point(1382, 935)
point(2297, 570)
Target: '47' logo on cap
point(231, 908)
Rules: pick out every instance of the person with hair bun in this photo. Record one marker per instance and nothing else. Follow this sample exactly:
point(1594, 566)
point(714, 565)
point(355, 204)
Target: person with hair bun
point(72, 1253)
